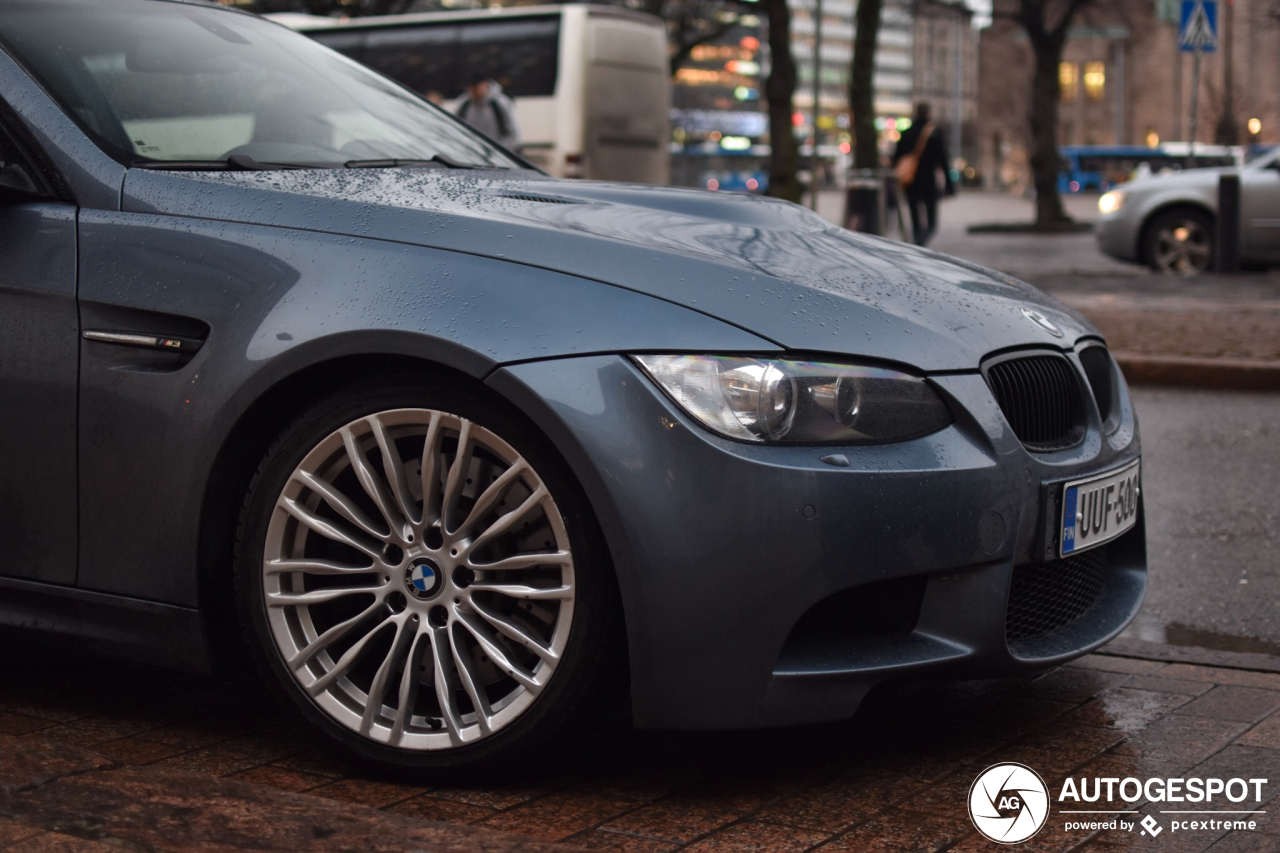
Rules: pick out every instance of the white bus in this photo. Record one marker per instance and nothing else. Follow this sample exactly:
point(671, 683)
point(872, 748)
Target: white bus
point(591, 84)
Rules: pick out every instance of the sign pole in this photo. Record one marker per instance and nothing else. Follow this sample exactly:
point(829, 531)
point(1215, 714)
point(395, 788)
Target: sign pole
point(1197, 33)
point(1195, 103)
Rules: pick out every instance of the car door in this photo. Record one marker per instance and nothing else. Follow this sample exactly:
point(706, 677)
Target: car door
point(1260, 212)
point(39, 350)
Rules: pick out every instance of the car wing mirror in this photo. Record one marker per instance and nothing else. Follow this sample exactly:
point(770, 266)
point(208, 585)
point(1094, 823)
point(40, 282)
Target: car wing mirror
point(16, 180)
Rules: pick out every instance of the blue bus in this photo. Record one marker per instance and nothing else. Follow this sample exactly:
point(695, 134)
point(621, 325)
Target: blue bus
point(1098, 168)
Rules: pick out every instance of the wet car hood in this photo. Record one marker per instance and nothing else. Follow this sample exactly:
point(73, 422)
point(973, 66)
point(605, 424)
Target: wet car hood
point(772, 268)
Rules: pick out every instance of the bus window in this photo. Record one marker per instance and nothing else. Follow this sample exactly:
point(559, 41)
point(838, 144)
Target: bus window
point(1213, 160)
point(349, 44)
point(521, 55)
point(422, 58)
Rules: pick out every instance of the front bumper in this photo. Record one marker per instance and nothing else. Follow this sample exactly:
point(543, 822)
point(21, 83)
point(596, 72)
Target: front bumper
point(721, 547)
point(1118, 233)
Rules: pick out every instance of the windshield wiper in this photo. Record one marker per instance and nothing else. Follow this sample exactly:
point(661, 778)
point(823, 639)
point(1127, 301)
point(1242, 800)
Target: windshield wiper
point(246, 163)
point(236, 162)
point(433, 160)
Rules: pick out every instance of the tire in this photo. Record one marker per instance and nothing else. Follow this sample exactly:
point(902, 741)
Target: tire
point(1179, 241)
point(350, 585)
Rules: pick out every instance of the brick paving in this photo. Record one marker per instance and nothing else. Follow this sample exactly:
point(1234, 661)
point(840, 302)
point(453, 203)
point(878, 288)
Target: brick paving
point(104, 755)
point(1200, 327)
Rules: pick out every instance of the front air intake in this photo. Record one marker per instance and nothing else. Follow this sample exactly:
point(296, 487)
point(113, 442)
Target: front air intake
point(1050, 596)
point(537, 199)
point(1041, 399)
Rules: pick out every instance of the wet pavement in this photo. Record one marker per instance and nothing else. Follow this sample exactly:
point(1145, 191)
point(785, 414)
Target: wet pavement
point(100, 755)
point(1213, 525)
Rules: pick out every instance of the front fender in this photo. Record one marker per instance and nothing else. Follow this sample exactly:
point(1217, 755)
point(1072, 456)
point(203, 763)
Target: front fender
point(273, 302)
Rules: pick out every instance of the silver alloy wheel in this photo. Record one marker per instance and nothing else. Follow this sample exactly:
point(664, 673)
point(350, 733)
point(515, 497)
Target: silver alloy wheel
point(1182, 246)
point(414, 548)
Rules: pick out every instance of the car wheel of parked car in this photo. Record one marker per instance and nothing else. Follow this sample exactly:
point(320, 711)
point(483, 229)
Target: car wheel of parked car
point(420, 574)
point(1180, 242)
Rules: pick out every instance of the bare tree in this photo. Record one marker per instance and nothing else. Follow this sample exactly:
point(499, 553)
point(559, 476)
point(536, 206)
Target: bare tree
point(862, 95)
point(779, 91)
point(1046, 23)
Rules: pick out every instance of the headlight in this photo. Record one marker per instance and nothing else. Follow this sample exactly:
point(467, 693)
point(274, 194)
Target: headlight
point(798, 402)
point(1110, 202)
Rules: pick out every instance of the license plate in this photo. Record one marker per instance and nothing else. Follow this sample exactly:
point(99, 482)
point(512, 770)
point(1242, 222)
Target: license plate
point(1100, 508)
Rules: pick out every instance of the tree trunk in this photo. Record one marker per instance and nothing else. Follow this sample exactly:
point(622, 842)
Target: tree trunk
point(862, 89)
point(1227, 133)
point(1045, 160)
point(779, 90)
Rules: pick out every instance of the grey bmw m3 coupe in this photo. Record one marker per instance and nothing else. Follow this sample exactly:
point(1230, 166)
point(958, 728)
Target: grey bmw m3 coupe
point(299, 372)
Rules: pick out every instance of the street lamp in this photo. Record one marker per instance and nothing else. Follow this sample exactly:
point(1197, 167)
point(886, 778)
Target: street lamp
point(1255, 126)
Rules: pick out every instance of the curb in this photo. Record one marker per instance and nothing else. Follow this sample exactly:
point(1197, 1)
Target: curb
point(1125, 647)
point(1199, 372)
point(1071, 226)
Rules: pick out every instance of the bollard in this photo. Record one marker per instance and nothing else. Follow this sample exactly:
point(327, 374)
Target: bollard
point(1227, 238)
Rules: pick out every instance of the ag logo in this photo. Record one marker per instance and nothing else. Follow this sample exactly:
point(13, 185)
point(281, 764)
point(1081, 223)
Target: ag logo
point(1008, 803)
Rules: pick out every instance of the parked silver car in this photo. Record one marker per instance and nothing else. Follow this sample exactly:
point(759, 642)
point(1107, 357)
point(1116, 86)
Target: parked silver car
point(1167, 221)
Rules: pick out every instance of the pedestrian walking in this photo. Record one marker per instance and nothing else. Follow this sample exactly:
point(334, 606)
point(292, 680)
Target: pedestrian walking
point(489, 111)
point(922, 153)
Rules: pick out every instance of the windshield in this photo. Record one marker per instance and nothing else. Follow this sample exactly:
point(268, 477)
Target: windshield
point(160, 82)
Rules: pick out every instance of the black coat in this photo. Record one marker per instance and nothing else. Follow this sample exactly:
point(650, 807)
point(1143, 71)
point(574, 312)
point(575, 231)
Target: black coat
point(933, 159)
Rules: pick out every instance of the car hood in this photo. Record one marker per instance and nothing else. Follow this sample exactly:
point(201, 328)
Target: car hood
point(769, 267)
point(1204, 177)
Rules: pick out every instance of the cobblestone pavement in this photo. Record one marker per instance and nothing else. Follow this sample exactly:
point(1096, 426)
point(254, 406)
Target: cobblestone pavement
point(150, 759)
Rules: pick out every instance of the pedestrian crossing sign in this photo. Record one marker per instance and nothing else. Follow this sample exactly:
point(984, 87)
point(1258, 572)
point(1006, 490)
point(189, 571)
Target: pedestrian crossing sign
point(1198, 30)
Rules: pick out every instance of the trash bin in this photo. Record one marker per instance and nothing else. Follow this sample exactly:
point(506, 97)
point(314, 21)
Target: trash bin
point(864, 202)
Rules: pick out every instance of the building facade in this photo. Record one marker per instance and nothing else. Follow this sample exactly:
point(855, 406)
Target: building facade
point(944, 73)
point(893, 82)
point(1124, 81)
point(720, 128)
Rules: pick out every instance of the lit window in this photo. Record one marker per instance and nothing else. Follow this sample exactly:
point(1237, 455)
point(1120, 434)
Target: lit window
point(1095, 80)
point(1068, 80)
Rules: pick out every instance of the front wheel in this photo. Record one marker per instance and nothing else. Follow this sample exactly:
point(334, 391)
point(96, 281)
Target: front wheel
point(1180, 242)
point(421, 577)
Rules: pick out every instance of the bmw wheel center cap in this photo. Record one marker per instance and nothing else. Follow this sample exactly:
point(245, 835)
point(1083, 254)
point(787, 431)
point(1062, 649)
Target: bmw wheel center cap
point(423, 578)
